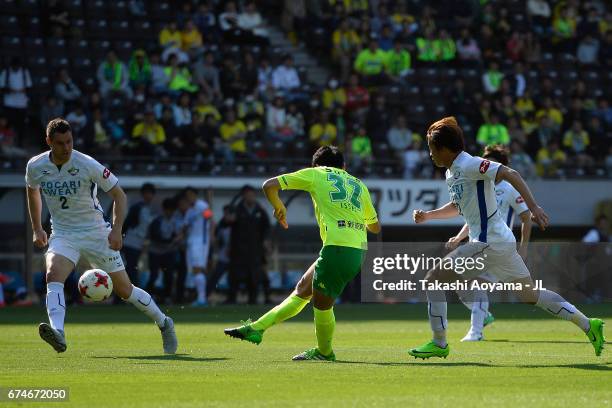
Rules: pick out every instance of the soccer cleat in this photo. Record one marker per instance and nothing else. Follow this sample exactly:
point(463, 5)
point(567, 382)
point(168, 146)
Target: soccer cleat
point(596, 336)
point(55, 338)
point(246, 332)
point(314, 354)
point(429, 350)
point(488, 320)
point(169, 339)
point(472, 336)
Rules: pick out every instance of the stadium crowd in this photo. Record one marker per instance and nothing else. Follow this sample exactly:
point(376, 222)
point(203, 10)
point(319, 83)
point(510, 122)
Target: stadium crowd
point(210, 90)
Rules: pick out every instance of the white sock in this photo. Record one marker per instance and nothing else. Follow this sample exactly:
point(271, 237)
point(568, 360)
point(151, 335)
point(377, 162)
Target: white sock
point(437, 318)
point(480, 310)
point(145, 303)
point(56, 305)
point(200, 284)
point(554, 304)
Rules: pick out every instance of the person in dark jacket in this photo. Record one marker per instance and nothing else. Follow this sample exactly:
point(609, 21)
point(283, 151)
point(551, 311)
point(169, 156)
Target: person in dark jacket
point(248, 239)
point(163, 249)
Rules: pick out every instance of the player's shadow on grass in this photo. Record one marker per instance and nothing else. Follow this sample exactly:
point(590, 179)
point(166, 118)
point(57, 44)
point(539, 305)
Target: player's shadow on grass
point(592, 367)
point(413, 363)
point(164, 357)
point(536, 341)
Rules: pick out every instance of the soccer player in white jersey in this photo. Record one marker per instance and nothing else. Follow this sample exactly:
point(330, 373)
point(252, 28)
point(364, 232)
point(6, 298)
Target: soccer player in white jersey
point(69, 181)
point(198, 224)
point(471, 184)
point(509, 204)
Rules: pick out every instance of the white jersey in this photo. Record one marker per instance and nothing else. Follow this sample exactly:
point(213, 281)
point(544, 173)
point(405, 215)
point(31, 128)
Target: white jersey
point(509, 202)
point(70, 190)
point(197, 222)
point(471, 186)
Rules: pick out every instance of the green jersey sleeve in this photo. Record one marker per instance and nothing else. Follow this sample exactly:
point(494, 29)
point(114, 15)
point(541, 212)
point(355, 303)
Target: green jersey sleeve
point(369, 212)
point(298, 180)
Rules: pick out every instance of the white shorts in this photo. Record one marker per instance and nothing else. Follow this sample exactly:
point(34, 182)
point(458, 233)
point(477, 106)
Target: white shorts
point(197, 255)
point(92, 245)
point(501, 261)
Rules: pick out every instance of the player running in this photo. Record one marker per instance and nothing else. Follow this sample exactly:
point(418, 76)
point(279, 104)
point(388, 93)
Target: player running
point(471, 186)
point(509, 203)
point(344, 212)
point(69, 181)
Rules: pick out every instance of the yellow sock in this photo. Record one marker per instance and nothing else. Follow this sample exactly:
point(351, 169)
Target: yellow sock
point(289, 307)
point(325, 323)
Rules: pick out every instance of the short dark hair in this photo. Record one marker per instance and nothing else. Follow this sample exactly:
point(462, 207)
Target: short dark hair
point(147, 187)
point(169, 204)
point(190, 189)
point(246, 188)
point(57, 125)
point(497, 152)
point(329, 156)
point(446, 133)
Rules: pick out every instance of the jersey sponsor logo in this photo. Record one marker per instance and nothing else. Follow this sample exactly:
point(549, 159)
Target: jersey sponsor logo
point(73, 171)
point(484, 166)
point(106, 173)
point(519, 200)
point(60, 188)
point(46, 172)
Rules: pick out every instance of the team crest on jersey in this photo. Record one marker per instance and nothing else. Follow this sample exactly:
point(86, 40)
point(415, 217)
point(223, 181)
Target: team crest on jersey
point(106, 173)
point(73, 171)
point(484, 166)
point(519, 200)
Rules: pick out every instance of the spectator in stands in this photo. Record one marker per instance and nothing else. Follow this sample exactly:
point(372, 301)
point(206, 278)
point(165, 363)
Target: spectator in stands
point(520, 83)
point(191, 39)
point(414, 159)
point(333, 95)
point(139, 69)
point(577, 142)
point(521, 161)
point(248, 244)
point(543, 135)
point(159, 80)
point(182, 112)
point(78, 121)
point(370, 64)
point(252, 25)
point(549, 110)
point(97, 134)
point(524, 104)
point(251, 111)
point(248, 73)
point(285, 79)
point(15, 82)
point(163, 252)
point(179, 77)
point(234, 133)
point(228, 22)
point(56, 19)
point(113, 77)
point(604, 111)
point(202, 142)
point(564, 28)
point(398, 63)
point(136, 228)
point(357, 97)
point(66, 90)
point(206, 21)
point(427, 52)
point(8, 139)
point(203, 106)
point(52, 108)
point(600, 140)
point(170, 36)
point(322, 132)
point(446, 46)
point(515, 47)
point(516, 132)
point(601, 231)
point(295, 120)
point(493, 132)
point(492, 78)
point(386, 38)
point(149, 136)
point(264, 79)
point(539, 14)
point(505, 108)
point(165, 102)
point(533, 49)
point(378, 119)
point(467, 48)
point(223, 231)
point(549, 159)
point(361, 151)
point(206, 75)
point(213, 137)
point(229, 78)
point(490, 44)
point(346, 43)
point(399, 136)
point(588, 50)
point(276, 121)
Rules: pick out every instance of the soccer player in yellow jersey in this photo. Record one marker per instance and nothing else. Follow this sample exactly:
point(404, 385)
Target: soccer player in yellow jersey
point(345, 213)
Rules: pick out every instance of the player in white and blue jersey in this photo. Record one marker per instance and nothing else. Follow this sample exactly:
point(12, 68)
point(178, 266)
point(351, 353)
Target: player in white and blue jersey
point(509, 204)
point(471, 184)
point(69, 182)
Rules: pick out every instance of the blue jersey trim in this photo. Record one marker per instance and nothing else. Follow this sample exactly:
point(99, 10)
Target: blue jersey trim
point(510, 214)
point(482, 206)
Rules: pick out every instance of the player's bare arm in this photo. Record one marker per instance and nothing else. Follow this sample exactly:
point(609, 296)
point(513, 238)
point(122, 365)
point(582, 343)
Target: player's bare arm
point(35, 209)
point(525, 233)
point(448, 210)
point(514, 178)
point(271, 188)
point(115, 238)
point(453, 242)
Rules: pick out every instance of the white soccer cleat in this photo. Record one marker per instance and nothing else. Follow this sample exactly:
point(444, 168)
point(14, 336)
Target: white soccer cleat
point(473, 336)
point(169, 336)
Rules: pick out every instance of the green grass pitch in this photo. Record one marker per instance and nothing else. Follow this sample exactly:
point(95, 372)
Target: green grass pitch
point(114, 359)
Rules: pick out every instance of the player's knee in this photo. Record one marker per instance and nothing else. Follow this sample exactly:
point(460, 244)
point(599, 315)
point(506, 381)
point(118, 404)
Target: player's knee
point(56, 272)
point(123, 290)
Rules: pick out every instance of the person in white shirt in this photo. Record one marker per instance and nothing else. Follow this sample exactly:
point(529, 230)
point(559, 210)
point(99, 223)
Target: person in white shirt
point(199, 230)
point(471, 185)
point(251, 23)
point(14, 84)
point(69, 181)
point(509, 204)
point(285, 78)
point(601, 232)
point(65, 89)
